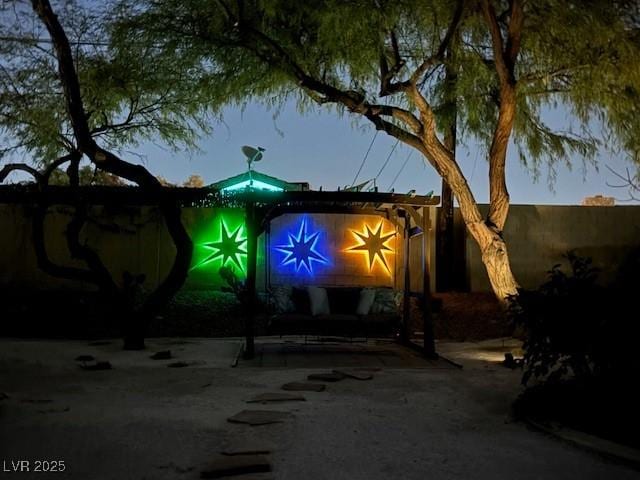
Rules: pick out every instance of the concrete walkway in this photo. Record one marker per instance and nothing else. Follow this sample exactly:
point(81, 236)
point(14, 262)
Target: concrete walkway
point(143, 420)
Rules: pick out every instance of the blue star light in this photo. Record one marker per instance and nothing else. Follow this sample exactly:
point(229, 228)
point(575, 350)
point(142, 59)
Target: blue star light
point(302, 249)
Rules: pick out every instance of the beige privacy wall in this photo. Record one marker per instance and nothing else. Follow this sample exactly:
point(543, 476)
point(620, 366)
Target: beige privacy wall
point(538, 236)
point(135, 239)
point(132, 239)
point(128, 239)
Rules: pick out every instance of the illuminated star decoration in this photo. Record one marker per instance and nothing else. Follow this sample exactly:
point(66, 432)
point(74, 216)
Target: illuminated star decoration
point(228, 248)
point(373, 244)
point(302, 249)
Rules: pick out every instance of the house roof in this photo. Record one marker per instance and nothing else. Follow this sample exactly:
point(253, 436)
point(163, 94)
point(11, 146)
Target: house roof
point(260, 177)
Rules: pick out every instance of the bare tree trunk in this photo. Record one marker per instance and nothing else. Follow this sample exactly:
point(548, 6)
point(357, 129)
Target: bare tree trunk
point(444, 227)
point(488, 236)
point(445, 241)
point(495, 258)
point(107, 161)
point(493, 248)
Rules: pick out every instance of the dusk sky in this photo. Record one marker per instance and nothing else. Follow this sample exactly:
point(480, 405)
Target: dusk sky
point(326, 150)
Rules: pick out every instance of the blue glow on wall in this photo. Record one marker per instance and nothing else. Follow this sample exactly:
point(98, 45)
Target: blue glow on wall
point(302, 249)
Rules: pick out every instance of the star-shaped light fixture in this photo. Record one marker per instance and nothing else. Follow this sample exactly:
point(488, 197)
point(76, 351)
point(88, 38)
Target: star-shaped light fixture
point(229, 248)
point(374, 245)
point(301, 251)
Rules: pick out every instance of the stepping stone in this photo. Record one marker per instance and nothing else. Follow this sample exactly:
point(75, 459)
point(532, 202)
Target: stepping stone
point(55, 410)
point(259, 417)
point(175, 468)
point(326, 377)
point(226, 466)
point(253, 451)
point(85, 358)
point(254, 476)
point(304, 387)
point(186, 364)
point(358, 375)
point(178, 365)
point(164, 355)
point(247, 446)
point(4, 396)
point(96, 366)
point(276, 397)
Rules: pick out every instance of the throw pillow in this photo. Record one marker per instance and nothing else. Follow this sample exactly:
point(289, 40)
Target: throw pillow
point(343, 300)
point(319, 301)
point(281, 299)
point(367, 297)
point(385, 301)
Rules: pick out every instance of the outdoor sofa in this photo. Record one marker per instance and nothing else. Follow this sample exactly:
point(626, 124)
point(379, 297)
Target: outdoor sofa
point(334, 311)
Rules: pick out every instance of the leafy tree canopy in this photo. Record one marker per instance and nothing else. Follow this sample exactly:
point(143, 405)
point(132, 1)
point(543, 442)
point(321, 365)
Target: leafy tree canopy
point(578, 55)
point(129, 94)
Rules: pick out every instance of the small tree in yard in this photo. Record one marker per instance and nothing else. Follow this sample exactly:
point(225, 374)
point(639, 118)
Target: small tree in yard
point(194, 181)
point(386, 62)
point(62, 101)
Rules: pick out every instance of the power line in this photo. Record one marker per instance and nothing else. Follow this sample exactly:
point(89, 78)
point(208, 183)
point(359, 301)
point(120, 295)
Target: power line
point(400, 171)
point(388, 158)
point(365, 158)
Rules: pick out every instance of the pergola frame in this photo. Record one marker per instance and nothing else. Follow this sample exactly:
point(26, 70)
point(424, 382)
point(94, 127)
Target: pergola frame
point(406, 211)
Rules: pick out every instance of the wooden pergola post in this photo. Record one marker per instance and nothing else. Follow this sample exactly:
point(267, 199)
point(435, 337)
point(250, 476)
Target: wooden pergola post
point(250, 286)
point(427, 319)
point(406, 307)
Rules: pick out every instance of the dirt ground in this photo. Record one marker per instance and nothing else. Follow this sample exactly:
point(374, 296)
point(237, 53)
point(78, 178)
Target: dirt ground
point(143, 420)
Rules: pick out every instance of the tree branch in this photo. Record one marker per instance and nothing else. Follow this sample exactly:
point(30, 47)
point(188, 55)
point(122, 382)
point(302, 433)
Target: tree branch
point(442, 48)
point(496, 41)
point(505, 61)
point(11, 167)
point(387, 86)
point(111, 163)
point(42, 258)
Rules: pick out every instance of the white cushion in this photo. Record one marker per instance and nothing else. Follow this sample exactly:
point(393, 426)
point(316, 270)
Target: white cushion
point(319, 300)
point(367, 296)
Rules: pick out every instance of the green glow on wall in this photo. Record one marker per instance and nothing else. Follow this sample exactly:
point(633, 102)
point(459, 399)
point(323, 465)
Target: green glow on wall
point(221, 242)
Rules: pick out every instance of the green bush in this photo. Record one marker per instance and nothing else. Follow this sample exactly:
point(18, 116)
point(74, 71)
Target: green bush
point(575, 328)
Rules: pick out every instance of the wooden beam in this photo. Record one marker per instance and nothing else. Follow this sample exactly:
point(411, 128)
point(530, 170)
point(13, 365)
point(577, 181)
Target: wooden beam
point(250, 284)
point(427, 318)
point(414, 214)
point(406, 306)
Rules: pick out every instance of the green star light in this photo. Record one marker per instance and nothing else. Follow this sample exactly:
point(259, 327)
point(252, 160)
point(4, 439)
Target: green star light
point(228, 248)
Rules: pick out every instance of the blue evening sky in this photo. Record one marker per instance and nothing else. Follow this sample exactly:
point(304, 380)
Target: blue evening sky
point(326, 150)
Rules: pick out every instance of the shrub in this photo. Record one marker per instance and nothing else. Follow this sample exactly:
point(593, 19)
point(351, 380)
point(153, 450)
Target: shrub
point(574, 327)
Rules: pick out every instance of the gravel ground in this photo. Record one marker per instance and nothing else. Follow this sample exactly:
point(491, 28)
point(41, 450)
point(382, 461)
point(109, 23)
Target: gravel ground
point(142, 420)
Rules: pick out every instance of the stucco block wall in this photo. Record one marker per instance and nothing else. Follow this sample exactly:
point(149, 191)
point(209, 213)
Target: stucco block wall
point(129, 239)
point(538, 236)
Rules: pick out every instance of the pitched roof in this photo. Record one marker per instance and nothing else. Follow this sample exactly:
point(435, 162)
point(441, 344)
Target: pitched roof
point(261, 177)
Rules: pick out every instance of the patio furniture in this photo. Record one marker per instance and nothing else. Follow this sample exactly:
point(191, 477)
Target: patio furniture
point(347, 311)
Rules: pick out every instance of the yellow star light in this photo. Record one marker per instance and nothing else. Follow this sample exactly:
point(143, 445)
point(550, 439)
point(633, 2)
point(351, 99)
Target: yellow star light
point(373, 244)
